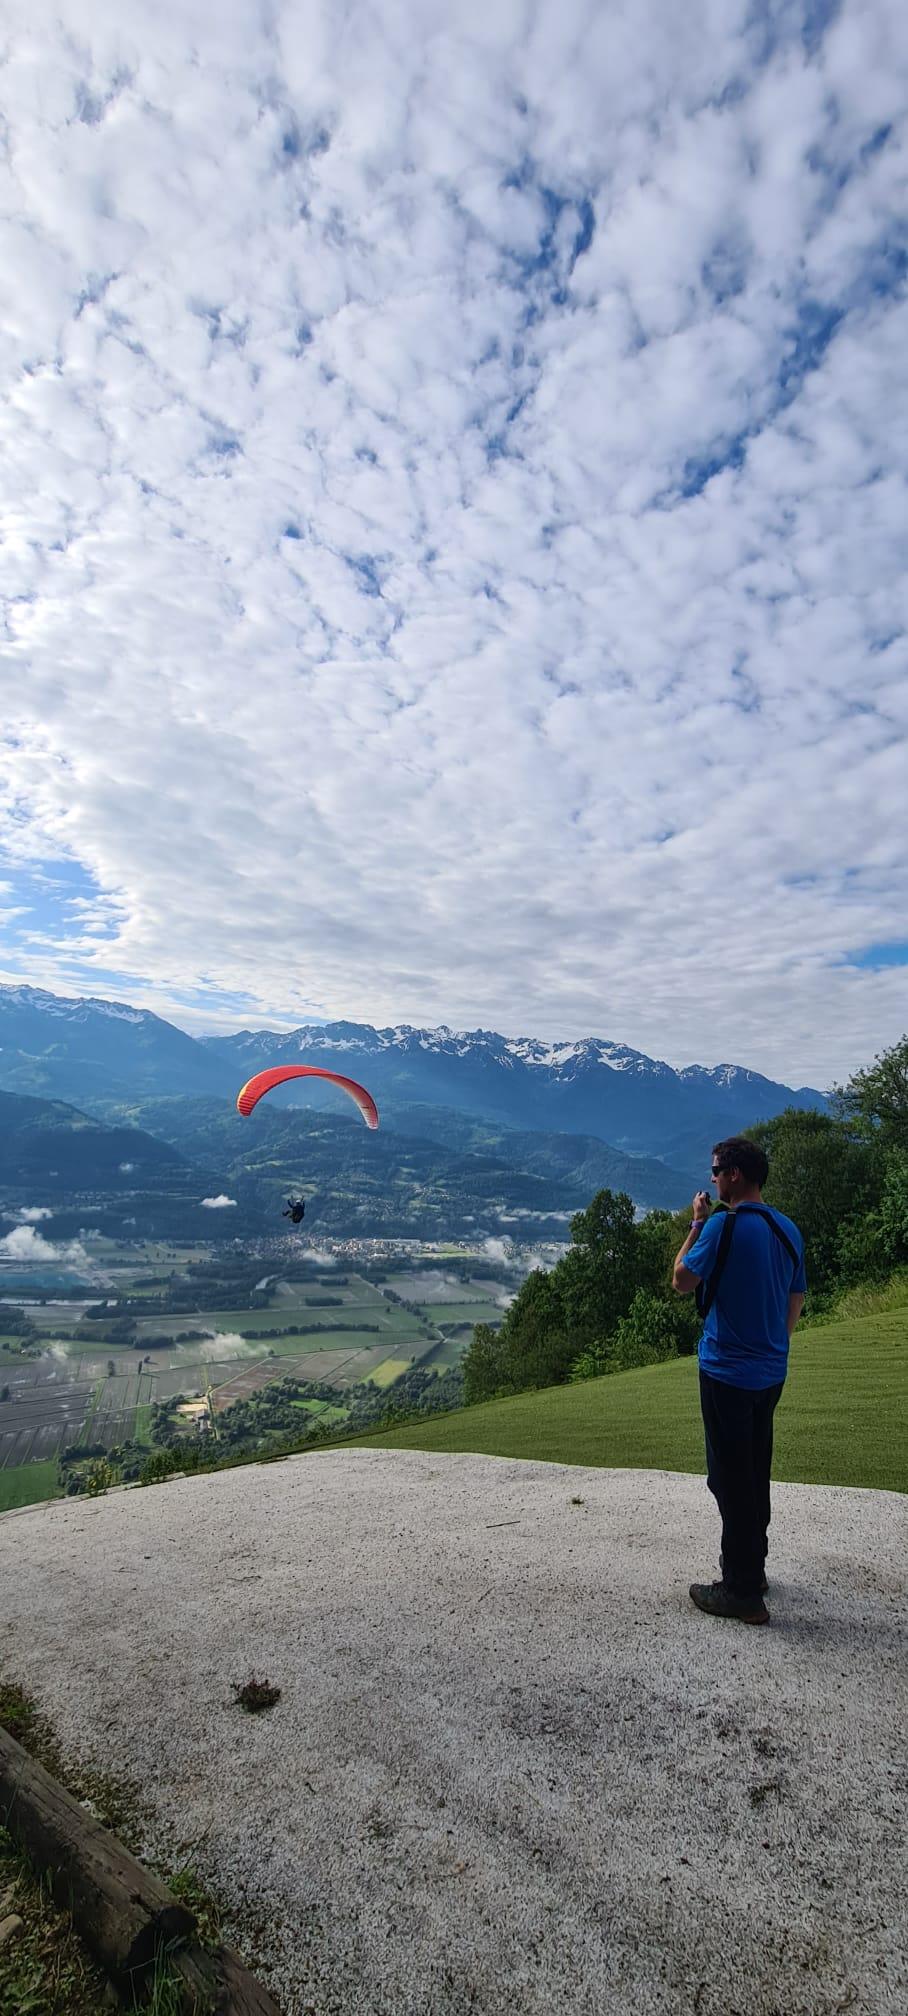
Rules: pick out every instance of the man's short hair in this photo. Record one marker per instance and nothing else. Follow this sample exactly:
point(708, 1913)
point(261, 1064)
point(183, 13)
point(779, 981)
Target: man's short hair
point(736, 1153)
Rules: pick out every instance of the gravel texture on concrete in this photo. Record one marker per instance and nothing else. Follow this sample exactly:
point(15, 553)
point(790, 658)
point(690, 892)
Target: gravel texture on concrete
point(512, 1768)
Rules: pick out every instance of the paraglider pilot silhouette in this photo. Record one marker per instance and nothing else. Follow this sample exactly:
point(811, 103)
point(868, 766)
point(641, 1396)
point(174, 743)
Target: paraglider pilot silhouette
point(255, 1088)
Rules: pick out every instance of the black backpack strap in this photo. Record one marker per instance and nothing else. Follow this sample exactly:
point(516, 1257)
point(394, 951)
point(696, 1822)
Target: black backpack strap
point(792, 1251)
point(706, 1293)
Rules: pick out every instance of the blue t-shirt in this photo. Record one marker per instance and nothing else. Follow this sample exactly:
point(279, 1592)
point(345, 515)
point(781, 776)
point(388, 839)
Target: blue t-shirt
point(745, 1336)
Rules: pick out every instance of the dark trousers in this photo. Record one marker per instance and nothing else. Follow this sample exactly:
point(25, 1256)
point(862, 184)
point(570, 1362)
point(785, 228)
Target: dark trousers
point(738, 1427)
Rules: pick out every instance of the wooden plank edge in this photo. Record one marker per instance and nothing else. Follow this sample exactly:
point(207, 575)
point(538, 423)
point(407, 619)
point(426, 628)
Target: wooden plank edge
point(124, 1913)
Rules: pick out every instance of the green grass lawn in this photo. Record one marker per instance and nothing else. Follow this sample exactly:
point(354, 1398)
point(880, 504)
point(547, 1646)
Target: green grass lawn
point(27, 1484)
point(389, 1370)
point(477, 1311)
point(337, 1339)
point(842, 1419)
point(448, 1351)
point(142, 1429)
point(322, 1408)
point(279, 1316)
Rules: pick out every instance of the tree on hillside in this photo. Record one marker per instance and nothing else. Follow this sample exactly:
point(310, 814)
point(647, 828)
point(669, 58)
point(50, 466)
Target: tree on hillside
point(658, 1237)
point(875, 1101)
point(893, 1215)
point(535, 1337)
point(654, 1329)
point(829, 1181)
point(557, 1315)
point(598, 1275)
point(482, 1365)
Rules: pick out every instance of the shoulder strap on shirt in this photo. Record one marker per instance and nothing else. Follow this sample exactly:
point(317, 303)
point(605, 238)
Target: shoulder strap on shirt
point(762, 1212)
point(706, 1292)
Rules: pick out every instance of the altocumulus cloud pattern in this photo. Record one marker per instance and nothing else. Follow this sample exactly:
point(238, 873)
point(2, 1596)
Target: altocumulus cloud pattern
point(453, 557)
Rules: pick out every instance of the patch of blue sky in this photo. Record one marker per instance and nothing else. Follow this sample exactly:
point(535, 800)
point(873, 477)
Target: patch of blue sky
point(724, 271)
point(817, 16)
point(366, 570)
point(877, 141)
point(885, 269)
point(700, 469)
point(745, 692)
point(207, 1003)
point(223, 445)
point(773, 23)
point(553, 255)
point(208, 993)
point(54, 897)
point(807, 341)
point(874, 958)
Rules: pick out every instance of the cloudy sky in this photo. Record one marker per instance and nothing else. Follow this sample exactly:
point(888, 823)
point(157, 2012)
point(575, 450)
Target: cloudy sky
point(454, 516)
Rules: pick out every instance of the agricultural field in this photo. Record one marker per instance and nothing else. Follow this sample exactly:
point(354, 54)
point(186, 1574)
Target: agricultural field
point(47, 1407)
point(433, 1286)
point(50, 1316)
point(450, 1348)
point(84, 1389)
point(341, 1366)
point(450, 1315)
point(118, 1399)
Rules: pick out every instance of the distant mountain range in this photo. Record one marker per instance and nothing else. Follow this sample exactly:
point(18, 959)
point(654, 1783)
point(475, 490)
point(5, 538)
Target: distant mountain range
point(592, 1086)
point(72, 1049)
point(94, 1053)
point(120, 1180)
point(148, 1172)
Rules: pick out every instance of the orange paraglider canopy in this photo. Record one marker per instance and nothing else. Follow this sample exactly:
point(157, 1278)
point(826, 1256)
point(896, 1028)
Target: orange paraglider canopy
point(255, 1088)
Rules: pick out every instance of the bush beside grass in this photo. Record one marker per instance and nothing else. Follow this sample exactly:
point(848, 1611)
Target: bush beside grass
point(869, 1298)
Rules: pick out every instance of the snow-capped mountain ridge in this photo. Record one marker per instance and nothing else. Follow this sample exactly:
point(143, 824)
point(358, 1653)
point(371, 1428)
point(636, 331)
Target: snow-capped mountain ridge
point(82, 1049)
point(565, 1058)
point(588, 1085)
point(75, 1009)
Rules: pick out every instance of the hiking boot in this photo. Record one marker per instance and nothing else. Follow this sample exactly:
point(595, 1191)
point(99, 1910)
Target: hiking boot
point(717, 1601)
point(764, 1585)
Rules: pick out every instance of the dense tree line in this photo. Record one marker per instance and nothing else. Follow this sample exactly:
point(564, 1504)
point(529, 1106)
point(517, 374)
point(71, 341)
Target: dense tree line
point(843, 1177)
point(16, 1322)
point(608, 1304)
point(309, 1330)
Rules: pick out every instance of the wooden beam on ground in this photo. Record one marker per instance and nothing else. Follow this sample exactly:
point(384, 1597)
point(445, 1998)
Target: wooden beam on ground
point(218, 1984)
point(124, 1913)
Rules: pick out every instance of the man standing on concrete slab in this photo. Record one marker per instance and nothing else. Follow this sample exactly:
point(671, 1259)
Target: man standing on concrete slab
point(746, 1264)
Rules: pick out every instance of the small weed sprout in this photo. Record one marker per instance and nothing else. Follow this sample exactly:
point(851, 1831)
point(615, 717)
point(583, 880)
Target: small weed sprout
point(253, 1694)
